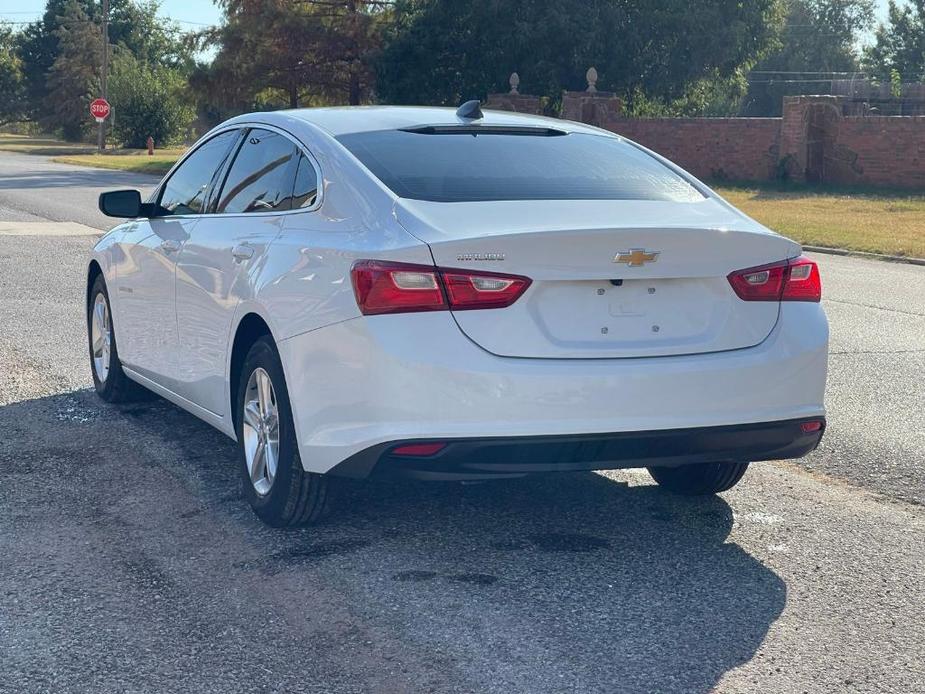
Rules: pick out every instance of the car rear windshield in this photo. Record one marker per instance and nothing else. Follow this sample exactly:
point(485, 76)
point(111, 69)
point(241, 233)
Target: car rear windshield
point(445, 165)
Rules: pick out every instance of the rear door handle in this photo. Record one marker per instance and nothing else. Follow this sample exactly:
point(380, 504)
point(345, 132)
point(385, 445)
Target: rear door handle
point(170, 245)
point(242, 252)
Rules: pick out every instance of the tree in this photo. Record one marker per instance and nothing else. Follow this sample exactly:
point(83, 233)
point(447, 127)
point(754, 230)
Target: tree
point(73, 79)
point(147, 100)
point(134, 26)
point(274, 53)
point(818, 41)
point(441, 52)
point(348, 43)
point(900, 43)
point(12, 84)
point(711, 96)
point(37, 50)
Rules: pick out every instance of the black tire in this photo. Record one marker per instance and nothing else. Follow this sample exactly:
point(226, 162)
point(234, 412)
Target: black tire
point(699, 479)
point(116, 387)
point(296, 497)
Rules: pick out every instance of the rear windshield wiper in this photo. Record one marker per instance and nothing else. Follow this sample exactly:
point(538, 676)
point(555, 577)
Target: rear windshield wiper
point(483, 130)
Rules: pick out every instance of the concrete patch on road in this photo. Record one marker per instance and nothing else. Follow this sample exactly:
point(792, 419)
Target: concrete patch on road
point(47, 229)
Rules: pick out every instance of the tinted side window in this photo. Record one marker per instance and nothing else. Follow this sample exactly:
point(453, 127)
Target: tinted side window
point(306, 185)
point(261, 176)
point(185, 191)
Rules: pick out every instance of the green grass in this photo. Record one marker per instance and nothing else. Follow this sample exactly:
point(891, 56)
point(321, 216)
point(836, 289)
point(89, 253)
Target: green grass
point(135, 160)
point(891, 222)
point(42, 144)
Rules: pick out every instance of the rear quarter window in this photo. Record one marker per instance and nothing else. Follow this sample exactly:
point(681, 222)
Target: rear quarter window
point(262, 175)
point(466, 167)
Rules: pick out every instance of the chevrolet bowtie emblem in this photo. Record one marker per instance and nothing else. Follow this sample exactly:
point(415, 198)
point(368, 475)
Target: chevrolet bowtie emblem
point(636, 257)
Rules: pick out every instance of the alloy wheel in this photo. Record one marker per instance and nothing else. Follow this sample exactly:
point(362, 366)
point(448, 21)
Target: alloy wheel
point(101, 337)
point(261, 431)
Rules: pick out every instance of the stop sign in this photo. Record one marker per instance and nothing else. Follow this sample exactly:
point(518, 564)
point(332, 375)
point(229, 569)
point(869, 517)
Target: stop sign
point(99, 109)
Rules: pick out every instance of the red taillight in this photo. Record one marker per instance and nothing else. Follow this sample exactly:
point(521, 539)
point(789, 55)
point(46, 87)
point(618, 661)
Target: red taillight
point(384, 287)
point(803, 281)
point(789, 280)
point(396, 287)
point(469, 290)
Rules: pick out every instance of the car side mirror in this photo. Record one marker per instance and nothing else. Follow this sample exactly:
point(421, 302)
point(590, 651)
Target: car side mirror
point(123, 203)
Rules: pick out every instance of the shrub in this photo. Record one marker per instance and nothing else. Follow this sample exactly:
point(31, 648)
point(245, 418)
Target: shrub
point(147, 101)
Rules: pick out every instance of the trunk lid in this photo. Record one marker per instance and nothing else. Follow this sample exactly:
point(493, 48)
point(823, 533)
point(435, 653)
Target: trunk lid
point(583, 304)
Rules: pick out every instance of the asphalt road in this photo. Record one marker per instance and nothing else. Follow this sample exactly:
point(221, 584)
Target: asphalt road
point(129, 563)
point(35, 189)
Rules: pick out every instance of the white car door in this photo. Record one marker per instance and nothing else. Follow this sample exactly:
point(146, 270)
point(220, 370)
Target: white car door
point(147, 320)
point(220, 264)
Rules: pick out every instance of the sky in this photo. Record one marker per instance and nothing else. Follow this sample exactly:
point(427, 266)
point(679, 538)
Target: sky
point(189, 13)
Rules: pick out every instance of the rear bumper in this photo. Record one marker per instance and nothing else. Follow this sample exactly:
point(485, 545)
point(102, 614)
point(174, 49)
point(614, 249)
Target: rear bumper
point(375, 380)
point(481, 458)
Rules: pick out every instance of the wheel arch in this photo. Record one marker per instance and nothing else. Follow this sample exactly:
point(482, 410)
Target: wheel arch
point(250, 328)
point(94, 270)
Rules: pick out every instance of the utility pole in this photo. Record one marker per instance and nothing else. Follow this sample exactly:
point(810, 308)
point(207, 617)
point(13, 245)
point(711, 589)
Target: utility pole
point(104, 75)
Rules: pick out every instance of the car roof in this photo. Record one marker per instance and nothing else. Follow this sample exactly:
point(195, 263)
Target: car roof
point(344, 120)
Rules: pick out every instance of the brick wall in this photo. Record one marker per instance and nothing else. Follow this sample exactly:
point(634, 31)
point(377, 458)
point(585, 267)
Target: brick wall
point(814, 141)
point(879, 151)
point(744, 149)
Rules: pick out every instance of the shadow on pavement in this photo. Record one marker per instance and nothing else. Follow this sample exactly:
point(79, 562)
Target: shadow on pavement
point(133, 559)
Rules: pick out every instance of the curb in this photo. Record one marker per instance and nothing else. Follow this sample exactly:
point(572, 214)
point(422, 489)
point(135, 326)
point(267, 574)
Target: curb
point(862, 254)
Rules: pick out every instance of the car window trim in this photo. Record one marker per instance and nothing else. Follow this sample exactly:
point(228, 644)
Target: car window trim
point(245, 127)
point(218, 182)
point(298, 165)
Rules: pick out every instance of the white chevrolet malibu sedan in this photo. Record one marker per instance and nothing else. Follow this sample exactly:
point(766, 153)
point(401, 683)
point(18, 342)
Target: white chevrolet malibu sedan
point(455, 296)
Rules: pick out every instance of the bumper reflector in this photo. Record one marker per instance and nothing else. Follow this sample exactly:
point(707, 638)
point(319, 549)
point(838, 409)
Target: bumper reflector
point(419, 449)
point(809, 427)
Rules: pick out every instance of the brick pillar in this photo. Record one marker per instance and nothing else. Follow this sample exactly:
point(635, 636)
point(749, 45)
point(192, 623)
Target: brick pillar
point(792, 162)
point(514, 100)
point(593, 108)
point(808, 129)
point(519, 103)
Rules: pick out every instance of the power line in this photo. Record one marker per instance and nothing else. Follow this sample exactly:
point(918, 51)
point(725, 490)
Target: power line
point(817, 81)
point(807, 72)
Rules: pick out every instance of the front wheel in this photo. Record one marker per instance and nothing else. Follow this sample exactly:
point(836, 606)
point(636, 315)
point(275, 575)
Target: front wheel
point(279, 490)
point(109, 380)
point(700, 478)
